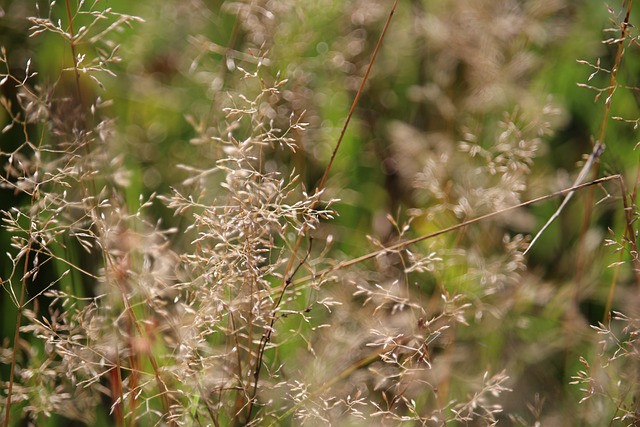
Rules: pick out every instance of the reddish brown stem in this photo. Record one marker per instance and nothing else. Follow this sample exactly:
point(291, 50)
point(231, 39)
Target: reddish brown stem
point(72, 43)
point(288, 275)
point(581, 262)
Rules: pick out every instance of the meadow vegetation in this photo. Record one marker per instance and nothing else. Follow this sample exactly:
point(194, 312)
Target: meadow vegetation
point(349, 213)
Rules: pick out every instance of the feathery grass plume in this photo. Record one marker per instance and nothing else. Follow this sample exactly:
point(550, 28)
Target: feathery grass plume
point(244, 226)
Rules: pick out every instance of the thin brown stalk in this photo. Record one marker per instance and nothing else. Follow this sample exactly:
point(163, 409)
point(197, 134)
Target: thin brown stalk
point(72, 43)
point(628, 236)
point(107, 260)
point(613, 83)
point(614, 73)
point(580, 262)
point(288, 275)
point(402, 245)
point(164, 391)
point(325, 176)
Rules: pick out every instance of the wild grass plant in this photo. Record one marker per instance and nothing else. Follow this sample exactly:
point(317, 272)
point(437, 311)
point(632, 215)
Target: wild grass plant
point(281, 213)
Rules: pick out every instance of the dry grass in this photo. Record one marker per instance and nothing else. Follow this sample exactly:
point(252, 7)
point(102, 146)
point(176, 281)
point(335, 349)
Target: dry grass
point(286, 267)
